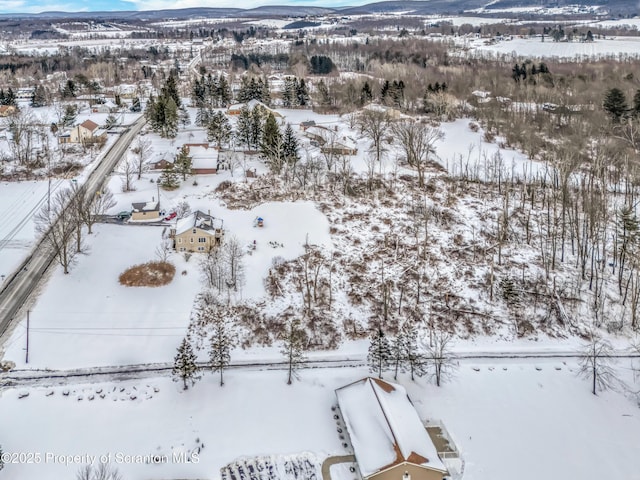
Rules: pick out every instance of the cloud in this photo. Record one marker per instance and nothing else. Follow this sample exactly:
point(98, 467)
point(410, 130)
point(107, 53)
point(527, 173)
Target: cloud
point(37, 6)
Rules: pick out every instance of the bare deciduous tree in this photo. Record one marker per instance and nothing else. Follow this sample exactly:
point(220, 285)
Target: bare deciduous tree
point(142, 150)
point(57, 225)
point(417, 139)
point(102, 471)
point(127, 170)
point(596, 363)
point(439, 355)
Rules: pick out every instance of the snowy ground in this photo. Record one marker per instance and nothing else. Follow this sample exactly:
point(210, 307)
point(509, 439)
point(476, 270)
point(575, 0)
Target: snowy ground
point(510, 420)
point(534, 47)
point(19, 201)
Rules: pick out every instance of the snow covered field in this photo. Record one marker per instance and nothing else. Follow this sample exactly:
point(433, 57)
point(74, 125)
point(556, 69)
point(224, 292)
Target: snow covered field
point(19, 202)
point(510, 420)
point(533, 47)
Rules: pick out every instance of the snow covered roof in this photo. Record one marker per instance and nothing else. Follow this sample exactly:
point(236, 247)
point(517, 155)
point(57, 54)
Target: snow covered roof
point(203, 157)
point(384, 427)
point(89, 125)
point(145, 206)
point(199, 220)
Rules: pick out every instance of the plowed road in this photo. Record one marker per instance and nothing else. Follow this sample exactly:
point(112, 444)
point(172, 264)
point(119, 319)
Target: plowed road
point(22, 283)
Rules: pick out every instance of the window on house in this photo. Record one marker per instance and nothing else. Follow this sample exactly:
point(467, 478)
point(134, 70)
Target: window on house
point(179, 240)
point(202, 240)
point(194, 230)
point(191, 240)
point(201, 249)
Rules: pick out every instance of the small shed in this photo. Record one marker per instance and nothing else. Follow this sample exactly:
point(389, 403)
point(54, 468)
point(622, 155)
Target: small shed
point(145, 211)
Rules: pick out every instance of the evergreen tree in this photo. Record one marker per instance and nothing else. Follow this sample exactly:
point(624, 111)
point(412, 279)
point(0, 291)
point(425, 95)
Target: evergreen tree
point(222, 342)
point(223, 91)
point(288, 93)
point(293, 345)
point(323, 94)
point(366, 95)
point(243, 127)
point(302, 93)
point(70, 90)
point(170, 90)
point(184, 365)
point(416, 360)
point(39, 97)
point(264, 92)
point(183, 117)
point(290, 146)
point(110, 122)
point(379, 355)
point(1, 459)
point(69, 116)
point(169, 178)
point(384, 91)
point(398, 348)
point(135, 105)
point(615, 103)
point(169, 116)
point(219, 129)
point(636, 103)
point(257, 119)
point(271, 144)
point(198, 93)
point(183, 162)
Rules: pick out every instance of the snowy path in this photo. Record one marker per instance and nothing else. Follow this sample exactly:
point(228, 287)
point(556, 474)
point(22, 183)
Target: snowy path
point(42, 378)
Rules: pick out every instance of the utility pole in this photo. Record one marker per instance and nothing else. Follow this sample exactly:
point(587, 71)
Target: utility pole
point(27, 356)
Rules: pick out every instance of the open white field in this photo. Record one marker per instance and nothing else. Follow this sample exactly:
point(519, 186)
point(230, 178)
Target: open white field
point(534, 47)
point(510, 420)
point(19, 202)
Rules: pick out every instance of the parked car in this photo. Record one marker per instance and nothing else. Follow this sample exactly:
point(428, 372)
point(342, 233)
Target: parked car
point(124, 215)
point(171, 216)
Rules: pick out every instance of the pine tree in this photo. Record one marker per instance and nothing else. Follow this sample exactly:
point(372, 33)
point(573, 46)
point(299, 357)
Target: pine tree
point(636, 103)
point(290, 146)
point(183, 162)
point(257, 119)
point(379, 355)
point(384, 91)
point(223, 92)
point(184, 365)
point(615, 103)
point(219, 129)
point(366, 95)
point(271, 144)
point(169, 116)
point(170, 90)
point(323, 94)
point(39, 97)
point(1, 459)
point(222, 342)
point(135, 105)
point(293, 346)
point(70, 115)
point(243, 127)
point(416, 360)
point(265, 92)
point(302, 93)
point(169, 178)
point(288, 93)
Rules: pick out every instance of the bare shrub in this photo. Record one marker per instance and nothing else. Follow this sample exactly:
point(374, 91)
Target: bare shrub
point(150, 274)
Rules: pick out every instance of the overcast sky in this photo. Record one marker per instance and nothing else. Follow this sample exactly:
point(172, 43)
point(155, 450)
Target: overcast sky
point(35, 6)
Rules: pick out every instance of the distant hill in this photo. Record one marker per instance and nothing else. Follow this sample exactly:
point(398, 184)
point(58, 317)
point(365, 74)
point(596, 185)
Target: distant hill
point(417, 7)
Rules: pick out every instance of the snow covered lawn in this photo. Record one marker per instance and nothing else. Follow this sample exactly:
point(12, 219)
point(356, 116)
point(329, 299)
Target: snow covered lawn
point(87, 318)
point(19, 201)
point(510, 420)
